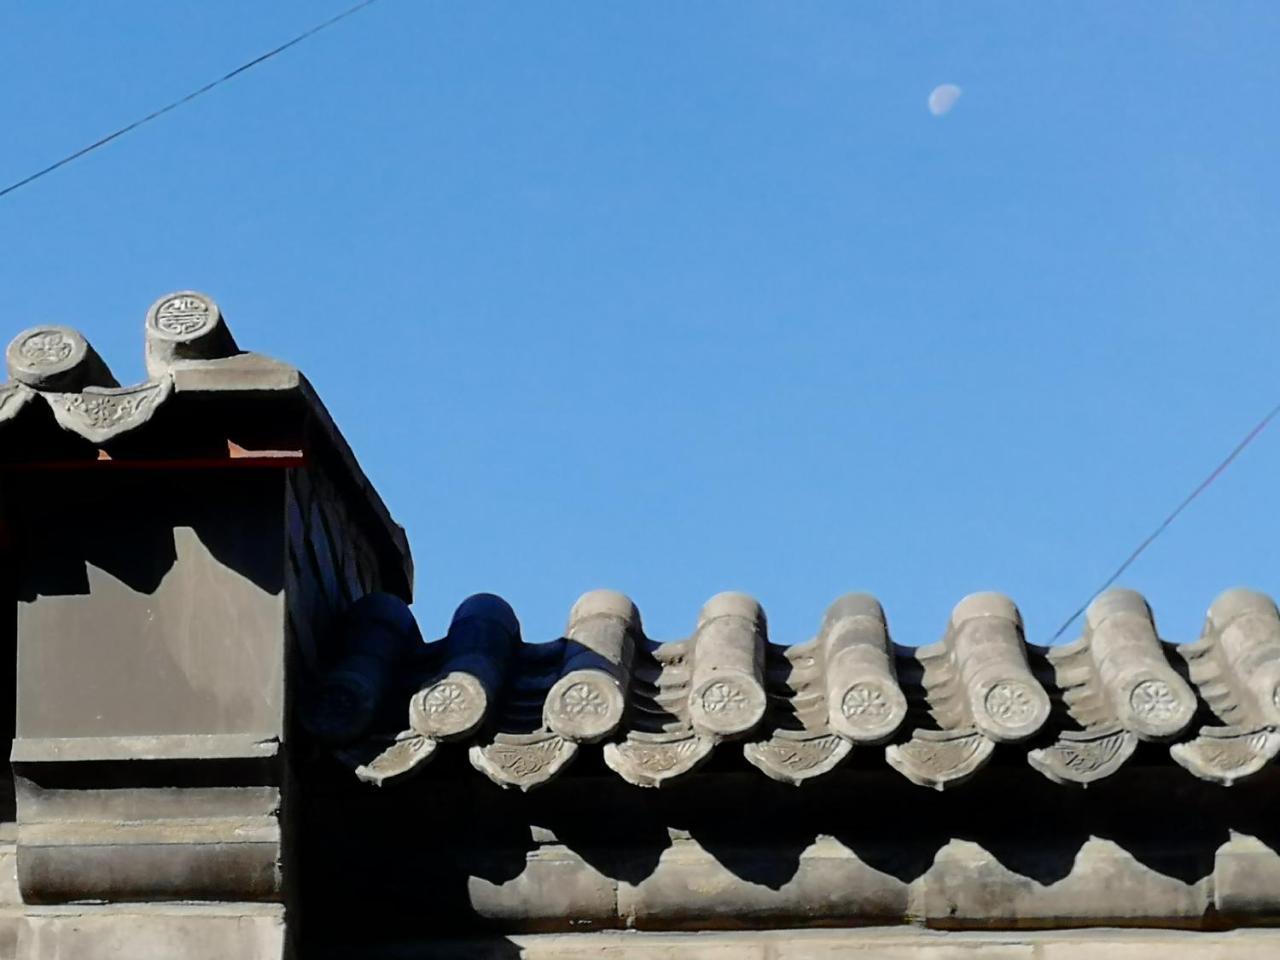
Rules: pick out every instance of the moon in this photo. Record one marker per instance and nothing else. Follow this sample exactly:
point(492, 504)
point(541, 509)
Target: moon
point(943, 98)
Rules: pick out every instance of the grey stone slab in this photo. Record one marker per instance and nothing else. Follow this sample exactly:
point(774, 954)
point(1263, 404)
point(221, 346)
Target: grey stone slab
point(139, 932)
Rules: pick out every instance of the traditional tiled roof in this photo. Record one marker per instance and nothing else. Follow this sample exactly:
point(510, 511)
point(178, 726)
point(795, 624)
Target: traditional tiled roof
point(935, 714)
point(204, 401)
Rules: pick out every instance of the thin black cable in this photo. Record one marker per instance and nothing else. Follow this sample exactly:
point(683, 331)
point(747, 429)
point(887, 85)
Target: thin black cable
point(1164, 524)
point(186, 99)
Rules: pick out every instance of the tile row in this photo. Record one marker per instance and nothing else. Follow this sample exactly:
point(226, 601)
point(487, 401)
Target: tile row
point(385, 701)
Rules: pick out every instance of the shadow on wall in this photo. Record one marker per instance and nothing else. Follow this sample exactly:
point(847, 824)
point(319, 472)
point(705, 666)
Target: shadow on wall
point(148, 602)
point(451, 852)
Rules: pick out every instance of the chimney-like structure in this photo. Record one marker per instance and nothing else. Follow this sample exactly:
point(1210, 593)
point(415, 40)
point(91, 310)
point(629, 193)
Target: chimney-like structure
point(179, 555)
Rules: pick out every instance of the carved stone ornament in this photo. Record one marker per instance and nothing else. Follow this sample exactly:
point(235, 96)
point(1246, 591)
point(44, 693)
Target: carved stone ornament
point(940, 758)
point(522, 761)
point(451, 707)
point(404, 756)
point(652, 759)
point(1012, 704)
point(796, 756)
point(183, 316)
point(1083, 756)
point(40, 355)
point(1227, 754)
point(100, 413)
point(584, 705)
point(728, 705)
point(868, 709)
point(1155, 701)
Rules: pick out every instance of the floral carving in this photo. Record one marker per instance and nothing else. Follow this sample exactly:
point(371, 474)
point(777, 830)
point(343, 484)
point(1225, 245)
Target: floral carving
point(46, 348)
point(104, 411)
point(583, 699)
point(446, 697)
point(721, 697)
point(1154, 701)
point(864, 702)
point(1010, 704)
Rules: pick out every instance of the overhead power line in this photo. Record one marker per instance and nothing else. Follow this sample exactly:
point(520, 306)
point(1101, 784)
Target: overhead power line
point(127, 128)
point(1164, 524)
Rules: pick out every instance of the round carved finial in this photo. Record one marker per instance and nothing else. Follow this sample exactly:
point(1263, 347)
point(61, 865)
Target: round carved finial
point(727, 705)
point(584, 705)
point(452, 706)
point(46, 356)
point(185, 326)
point(1158, 708)
point(183, 316)
point(1013, 709)
point(869, 711)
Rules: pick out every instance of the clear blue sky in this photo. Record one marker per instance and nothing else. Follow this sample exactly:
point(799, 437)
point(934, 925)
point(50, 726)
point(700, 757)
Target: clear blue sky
point(679, 298)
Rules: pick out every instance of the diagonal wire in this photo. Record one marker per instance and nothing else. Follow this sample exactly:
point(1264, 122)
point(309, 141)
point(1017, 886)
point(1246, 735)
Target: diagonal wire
point(311, 32)
point(1164, 524)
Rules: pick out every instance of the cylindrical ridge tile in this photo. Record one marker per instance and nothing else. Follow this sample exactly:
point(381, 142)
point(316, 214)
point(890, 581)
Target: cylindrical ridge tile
point(1006, 701)
point(57, 359)
point(1146, 693)
point(726, 696)
point(478, 649)
point(864, 701)
point(379, 634)
point(1248, 628)
point(587, 702)
point(185, 325)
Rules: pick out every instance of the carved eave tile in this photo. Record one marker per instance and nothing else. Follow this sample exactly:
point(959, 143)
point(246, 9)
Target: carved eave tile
point(1236, 667)
point(940, 758)
point(980, 691)
point(522, 761)
point(61, 365)
point(394, 762)
point(838, 690)
point(1118, 687)
point(587, 702)
point(56, 359)
point(726, 694)
point(655, 759)
point(477, 652)
point(864, 702)
point(100, 414)
point(1227, 754)
point(796, 756)
point(1084, 756)
point(185, 327)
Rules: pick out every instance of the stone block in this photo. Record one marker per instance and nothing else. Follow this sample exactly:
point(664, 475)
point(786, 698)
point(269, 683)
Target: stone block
point(136, 932)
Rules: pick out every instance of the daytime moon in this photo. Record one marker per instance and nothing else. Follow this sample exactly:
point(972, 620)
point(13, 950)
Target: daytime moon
point(943, 98)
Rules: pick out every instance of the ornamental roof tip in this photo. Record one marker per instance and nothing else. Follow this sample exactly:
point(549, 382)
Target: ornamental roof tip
point(935, 714)
point(188, 348)
point(205, 400)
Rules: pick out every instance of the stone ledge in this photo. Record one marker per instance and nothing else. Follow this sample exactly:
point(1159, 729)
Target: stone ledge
point(142, 932)
point(870, 943)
